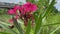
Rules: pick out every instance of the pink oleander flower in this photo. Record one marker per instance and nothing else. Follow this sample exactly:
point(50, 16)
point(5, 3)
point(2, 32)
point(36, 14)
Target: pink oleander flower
point(25, 12)
point(27, 8)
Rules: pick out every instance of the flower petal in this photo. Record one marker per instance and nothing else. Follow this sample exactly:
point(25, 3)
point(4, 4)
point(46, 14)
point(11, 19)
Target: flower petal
point(11, 11)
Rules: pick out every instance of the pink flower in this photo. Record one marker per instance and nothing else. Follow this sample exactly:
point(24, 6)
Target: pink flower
point(29, 7)
point(22, 10)
point(34, 8)
point(16, 7)
point(11, 11)
point(14, 10)
point(25, 12)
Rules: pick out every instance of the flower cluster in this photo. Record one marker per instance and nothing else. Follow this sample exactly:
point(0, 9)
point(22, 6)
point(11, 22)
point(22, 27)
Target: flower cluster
point(24, 12)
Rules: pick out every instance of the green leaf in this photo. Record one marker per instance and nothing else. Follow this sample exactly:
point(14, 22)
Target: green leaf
point(28, 27)
point(4, 33)
point(48, 9)
point(38, 25)
point(51, 24)
point(18, 26)
point(7, 28)
point(55, 30)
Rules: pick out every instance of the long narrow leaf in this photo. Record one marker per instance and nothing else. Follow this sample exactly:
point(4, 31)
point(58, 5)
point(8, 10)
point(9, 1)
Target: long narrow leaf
point(51, 24)
point(55, 30)
point(18, 26)
point(38, 25)
point(28, 28)
point(4, 33)
point(6, 27)
point(48, 9)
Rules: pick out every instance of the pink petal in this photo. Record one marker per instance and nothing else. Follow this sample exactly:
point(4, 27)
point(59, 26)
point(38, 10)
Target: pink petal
point(34, 8)
point(16, 7)
point(11, 11)
point(29, 7)
point(11, 21)
point(22, 10)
